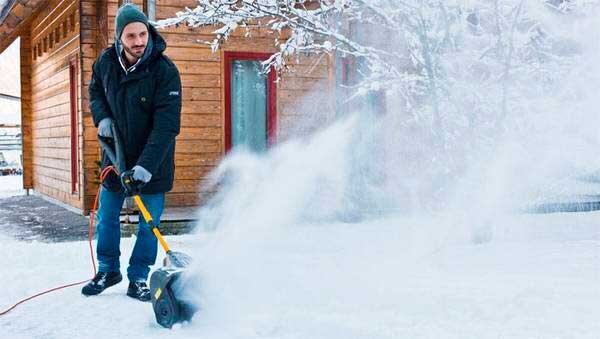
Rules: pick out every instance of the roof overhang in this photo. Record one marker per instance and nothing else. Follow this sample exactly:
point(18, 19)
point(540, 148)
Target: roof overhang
point(14, 15)
point(6, 9)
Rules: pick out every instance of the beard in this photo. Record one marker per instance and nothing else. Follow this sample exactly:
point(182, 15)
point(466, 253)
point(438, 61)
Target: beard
point(137, 53)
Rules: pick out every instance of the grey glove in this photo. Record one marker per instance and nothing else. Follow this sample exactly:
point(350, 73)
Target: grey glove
point(104, 129)
point(141, 174)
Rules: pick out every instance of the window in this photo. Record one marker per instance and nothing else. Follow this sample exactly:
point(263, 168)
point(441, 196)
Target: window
point(345, 70)
point(150, 9)
point(250, 102)
point(349, 71)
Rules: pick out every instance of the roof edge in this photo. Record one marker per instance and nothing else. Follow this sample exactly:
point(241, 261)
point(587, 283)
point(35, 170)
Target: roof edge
point(6, 9)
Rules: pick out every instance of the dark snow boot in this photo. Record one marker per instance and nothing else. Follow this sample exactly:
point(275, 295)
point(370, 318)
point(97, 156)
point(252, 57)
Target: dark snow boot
point(139, 290)
point(101, 281)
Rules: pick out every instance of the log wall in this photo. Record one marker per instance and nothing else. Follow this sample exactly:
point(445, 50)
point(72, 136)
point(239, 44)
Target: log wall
point(55, 43)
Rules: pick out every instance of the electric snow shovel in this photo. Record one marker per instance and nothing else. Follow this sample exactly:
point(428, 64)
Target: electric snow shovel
point(167, 309)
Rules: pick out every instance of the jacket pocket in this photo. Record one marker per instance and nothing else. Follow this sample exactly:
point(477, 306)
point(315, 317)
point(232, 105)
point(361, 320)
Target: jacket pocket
point(144, 95)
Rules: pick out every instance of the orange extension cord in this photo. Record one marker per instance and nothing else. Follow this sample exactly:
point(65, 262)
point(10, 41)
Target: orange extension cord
point(90, 237)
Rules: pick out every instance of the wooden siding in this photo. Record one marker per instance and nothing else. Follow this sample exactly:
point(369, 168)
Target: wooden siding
point(54, 43)
point(305, 96)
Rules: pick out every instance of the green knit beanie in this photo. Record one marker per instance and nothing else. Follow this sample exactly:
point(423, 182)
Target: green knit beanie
point(127, 14)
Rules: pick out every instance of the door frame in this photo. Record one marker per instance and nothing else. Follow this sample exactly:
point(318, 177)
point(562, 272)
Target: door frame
point(228, 58)
point(74, 125)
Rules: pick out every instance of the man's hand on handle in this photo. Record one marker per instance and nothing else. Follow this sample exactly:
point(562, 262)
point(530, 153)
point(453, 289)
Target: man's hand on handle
point(135, 179)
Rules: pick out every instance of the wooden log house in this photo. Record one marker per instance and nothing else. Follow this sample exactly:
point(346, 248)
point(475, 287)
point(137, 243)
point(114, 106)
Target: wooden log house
point(60, 39)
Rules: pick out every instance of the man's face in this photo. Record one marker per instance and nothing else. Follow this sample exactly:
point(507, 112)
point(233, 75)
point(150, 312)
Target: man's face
point(134, 39)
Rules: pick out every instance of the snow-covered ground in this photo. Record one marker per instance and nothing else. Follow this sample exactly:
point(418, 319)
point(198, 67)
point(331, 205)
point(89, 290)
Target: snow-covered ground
point(11, 185)
point(391, 278)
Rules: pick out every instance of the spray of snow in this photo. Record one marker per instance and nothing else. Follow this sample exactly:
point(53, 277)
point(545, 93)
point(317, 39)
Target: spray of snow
point(311, 233)
point(370, 198)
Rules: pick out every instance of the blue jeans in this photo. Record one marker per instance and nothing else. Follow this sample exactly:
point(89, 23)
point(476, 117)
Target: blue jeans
point(108, 231)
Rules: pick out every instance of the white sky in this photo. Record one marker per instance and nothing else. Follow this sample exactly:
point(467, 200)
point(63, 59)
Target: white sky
point(10, 110)
point(9, 68)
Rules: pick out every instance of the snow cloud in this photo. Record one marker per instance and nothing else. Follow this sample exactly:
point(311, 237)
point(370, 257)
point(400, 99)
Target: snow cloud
point(287, 227)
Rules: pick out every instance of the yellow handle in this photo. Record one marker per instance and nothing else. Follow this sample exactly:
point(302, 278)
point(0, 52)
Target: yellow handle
point(162, 241)
point(149, 220)
point(142, 207)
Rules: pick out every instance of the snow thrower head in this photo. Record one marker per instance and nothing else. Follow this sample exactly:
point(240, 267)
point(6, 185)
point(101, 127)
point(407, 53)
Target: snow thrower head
point(168, 308)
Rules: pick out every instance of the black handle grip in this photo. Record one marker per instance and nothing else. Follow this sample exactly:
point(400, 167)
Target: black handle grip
point(132, 186)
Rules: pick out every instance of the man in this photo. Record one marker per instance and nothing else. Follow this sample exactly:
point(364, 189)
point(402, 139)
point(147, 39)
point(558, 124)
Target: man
point(138, 89)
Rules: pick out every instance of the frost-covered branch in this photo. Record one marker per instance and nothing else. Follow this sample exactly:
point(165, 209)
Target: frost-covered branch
point(309, 27)
point(407, 46)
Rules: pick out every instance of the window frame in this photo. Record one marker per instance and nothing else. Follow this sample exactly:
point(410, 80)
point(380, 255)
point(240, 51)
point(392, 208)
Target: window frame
point(228, 58)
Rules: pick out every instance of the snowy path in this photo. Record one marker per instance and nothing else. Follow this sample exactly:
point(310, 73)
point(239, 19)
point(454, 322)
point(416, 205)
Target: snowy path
point(11, 185)
point(335, 281)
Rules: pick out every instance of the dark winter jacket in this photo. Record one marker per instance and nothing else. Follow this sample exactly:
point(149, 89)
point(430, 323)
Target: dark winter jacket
point(145, 103)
